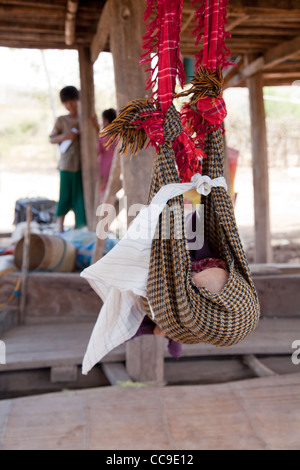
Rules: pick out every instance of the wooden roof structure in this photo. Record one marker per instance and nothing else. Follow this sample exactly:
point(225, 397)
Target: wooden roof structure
point(265, 33)
point(264, 36)
point(48, 24)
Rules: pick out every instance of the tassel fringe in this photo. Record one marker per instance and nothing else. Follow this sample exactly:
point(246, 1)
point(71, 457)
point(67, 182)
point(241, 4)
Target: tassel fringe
point(126, 128)
point(206, 83)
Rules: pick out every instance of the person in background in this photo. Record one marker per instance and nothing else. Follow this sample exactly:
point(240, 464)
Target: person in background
point(66, 134)
point(105, 156)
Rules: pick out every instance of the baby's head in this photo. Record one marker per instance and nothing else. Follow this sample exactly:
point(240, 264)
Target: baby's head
point(213, 279)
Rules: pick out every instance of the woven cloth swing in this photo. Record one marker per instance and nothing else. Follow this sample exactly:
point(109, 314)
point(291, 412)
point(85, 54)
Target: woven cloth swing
point(184, 311)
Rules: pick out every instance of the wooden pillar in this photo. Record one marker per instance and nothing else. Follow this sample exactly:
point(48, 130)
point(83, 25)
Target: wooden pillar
point(144, 355)
point(263, 250)
point(88, 137)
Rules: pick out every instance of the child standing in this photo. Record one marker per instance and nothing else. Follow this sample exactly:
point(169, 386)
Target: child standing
point(66, 134)
point(105, 155)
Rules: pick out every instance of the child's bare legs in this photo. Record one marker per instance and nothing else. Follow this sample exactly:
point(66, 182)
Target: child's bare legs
point(214, 279)
point(60, 221)
point(158, 331)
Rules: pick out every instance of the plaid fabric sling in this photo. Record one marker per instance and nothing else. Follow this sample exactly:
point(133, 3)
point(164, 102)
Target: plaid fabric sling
point(186, 312)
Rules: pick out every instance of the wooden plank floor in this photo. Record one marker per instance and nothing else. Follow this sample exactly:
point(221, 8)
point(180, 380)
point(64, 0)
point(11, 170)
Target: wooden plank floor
point(36, 346)
point(261, 413)
point(272, 336)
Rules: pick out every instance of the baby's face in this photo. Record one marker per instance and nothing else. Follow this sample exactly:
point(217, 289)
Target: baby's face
point(213, 279)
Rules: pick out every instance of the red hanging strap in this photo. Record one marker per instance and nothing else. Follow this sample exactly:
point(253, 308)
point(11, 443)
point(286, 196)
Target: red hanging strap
point(161, 49)
point(162, 54)
point(210, 21)
point(144, 119)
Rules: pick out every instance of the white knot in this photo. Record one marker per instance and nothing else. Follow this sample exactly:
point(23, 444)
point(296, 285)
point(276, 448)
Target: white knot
point(204, 183)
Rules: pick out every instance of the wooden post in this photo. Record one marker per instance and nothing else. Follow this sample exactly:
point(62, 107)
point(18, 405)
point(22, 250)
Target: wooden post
point(144, 355)
point(88, 137)
point(263, 252)
point(25, 265)
point(70, 23)
point(113, 186)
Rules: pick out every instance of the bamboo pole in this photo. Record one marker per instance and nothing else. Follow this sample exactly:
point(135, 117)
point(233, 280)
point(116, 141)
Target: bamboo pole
point(25, 266)
point(257, 366)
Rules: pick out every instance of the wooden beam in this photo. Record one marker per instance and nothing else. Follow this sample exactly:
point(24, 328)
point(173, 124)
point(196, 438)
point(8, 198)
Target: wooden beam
point(290, 76)
point(274, 22)
point(257, 366)
point(63, 374)
point(267, 7)
point(88, 137)
point(236, 22)
point(100, 39)
point(232, 70)
point(263, 253)
point(36, 27)
point(187, 22)
point(33, 3)
point(266, 12)
point(70, 23)
point(282, 52)
point(269, 59)
point(144, 360)
point(30, 11)
point(279, 8)
point(19, 44)
point(277, 32)
point(115, 373)
point(40, 39)
point(35, 37)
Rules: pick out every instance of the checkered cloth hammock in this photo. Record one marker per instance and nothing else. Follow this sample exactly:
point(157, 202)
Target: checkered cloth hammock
point(186, 312)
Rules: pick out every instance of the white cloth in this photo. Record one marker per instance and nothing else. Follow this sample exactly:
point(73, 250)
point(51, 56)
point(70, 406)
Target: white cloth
point(120, 277)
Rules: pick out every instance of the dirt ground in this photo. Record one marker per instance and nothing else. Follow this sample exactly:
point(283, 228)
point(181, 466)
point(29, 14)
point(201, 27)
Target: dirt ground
point(18, 183)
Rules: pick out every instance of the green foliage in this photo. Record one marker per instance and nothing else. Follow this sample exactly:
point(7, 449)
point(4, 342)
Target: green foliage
point(282, 105)
point(282, 102)
point(24, 128)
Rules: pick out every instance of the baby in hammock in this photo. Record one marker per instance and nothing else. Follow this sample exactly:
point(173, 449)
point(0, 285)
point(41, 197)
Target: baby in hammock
point(208, 271)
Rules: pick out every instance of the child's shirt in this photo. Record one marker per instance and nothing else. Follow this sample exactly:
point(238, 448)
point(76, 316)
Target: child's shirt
point(105, 157)
point(70, 159)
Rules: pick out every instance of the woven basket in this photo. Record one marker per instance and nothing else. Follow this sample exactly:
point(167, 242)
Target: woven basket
point(47, 253)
